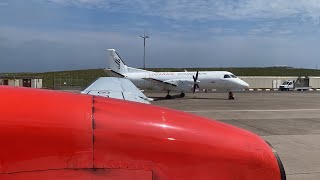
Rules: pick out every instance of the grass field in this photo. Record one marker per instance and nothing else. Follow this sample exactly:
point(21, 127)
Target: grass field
point(90, 75)
point(87, 76)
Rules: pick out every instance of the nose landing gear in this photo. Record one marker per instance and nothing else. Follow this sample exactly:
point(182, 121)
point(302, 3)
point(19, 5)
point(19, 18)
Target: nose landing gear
point(168, 95)
point(182, 95)
point(231, 95)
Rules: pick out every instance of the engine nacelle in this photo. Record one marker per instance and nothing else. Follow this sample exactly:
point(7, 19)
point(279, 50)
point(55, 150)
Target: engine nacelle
point(57, 135)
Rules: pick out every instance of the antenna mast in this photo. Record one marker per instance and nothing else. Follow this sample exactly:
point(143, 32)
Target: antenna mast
point(144, 49)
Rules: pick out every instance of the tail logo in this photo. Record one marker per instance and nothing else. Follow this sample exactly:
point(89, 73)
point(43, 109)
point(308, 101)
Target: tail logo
point(117, 61)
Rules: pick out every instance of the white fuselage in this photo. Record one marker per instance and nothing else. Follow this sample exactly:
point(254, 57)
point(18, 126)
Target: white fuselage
point(185, 82)
point(174, 81)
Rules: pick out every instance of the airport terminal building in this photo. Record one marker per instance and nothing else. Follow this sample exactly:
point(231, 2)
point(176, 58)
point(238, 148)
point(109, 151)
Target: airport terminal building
point(19, 81)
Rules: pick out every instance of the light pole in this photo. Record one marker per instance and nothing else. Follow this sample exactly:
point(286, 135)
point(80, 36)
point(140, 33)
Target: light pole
point(144, 49)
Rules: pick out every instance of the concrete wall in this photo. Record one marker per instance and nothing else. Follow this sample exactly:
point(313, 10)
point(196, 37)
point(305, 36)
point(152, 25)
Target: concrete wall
point(20, 82)
point(275, 82)
point(314, 82)
point(36, 83)
point(265, 81)
point(16, 82)
point(11, 82)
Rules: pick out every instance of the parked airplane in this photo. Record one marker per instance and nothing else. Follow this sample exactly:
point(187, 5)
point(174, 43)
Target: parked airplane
point(174, 81)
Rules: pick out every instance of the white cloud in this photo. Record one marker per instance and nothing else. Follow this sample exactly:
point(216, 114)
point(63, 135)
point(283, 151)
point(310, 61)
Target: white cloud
point(261, 42)
point(58, 50)
point(207, 9)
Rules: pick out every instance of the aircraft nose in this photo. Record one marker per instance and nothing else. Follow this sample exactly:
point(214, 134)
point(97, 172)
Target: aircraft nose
point(244, 84)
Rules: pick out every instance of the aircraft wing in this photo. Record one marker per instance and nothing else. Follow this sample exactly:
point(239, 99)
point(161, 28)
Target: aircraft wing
point(161, 83)
point(117, 88)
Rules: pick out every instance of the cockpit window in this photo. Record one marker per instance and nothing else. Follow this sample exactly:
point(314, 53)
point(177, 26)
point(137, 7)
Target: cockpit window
point(227, 76)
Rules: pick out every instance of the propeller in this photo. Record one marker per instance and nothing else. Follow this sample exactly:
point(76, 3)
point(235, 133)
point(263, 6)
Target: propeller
point(195, 80)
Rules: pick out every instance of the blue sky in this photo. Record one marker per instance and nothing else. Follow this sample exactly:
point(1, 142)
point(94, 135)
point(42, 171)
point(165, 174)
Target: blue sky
point(51, 35)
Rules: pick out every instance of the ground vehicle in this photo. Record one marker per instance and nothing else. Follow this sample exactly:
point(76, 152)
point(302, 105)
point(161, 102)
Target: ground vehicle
point(301, 84)
point(56, 135)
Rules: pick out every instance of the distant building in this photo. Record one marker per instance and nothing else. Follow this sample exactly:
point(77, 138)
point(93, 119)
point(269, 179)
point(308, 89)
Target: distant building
point(21, 81)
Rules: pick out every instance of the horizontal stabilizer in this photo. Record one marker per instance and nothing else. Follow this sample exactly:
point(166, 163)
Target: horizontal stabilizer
point(117, 88)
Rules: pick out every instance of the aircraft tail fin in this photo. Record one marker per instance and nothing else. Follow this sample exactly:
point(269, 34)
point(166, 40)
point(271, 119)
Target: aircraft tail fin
point(116, 63)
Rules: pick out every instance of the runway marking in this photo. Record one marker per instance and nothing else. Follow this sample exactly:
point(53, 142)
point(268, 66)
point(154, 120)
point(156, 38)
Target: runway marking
point(302, 173)
point(258, 110)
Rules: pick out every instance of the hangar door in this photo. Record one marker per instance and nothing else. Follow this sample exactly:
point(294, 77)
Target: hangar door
point(5, 82)
point(26, 82)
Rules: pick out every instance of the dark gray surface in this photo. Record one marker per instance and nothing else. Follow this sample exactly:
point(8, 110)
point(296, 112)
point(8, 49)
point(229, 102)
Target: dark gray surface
point(289, 121)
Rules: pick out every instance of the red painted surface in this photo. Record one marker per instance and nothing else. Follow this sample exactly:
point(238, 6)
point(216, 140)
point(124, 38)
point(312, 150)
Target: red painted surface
point(44, 130)
point(81, 174)
point(55, 131)
point(177, 145)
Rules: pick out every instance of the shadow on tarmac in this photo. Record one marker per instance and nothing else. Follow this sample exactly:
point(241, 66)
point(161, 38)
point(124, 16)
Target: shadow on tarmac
point(177, 97)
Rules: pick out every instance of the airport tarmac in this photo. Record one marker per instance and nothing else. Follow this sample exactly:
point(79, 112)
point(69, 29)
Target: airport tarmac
point(290, 121)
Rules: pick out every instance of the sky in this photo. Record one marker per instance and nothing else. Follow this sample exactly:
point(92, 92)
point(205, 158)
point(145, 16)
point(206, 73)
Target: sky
point(55, 35)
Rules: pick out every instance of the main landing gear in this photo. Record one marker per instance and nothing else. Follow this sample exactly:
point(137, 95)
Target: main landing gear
point(231, 95)
point(169, 96)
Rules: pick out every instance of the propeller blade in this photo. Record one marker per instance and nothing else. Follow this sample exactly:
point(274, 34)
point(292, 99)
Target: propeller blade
point(195, 85)
point(197, 75)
